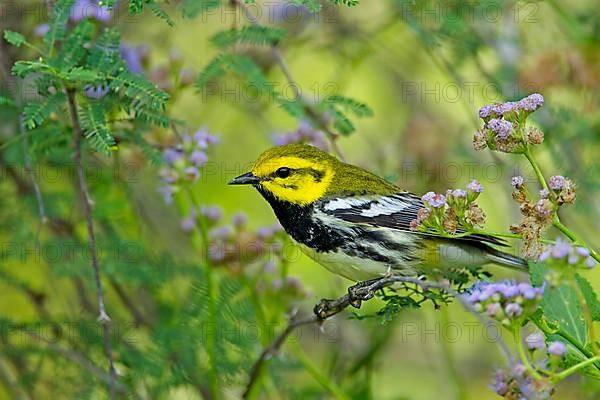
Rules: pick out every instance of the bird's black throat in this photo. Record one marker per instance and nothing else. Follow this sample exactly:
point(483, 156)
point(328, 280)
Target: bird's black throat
point(298, 222)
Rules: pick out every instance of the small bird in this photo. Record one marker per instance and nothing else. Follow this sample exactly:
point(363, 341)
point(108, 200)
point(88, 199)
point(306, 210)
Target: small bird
point(355, 223)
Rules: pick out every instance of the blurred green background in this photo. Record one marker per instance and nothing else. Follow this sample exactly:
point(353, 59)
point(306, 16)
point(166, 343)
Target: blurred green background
point(424, 68)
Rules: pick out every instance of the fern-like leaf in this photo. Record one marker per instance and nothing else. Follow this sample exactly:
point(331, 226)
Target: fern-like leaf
point(341, 122)
point(193, 8)
point(58, 23)
point(72, 50)
point(252, 34)
point(160, 13)
point(95, 126)
point(347, 3)
point(14, 38)
point(105, 55)
point(24, 68)
point(212, 71)
point(136, 6)
point(34, 114)
point(140, 91)
point(357, 108)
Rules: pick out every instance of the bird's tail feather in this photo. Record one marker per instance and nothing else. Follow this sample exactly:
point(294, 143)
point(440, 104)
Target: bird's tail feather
point(506, 260)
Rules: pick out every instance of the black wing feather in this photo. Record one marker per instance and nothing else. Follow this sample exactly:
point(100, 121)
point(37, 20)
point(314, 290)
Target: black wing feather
point(408, 207)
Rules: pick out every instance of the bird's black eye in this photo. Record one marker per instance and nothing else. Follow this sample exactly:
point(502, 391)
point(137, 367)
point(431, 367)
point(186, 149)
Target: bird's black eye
point(283, 172)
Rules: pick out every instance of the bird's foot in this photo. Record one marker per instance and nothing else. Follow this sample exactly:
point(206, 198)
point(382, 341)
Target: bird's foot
point(328, 307)
point(362, 291)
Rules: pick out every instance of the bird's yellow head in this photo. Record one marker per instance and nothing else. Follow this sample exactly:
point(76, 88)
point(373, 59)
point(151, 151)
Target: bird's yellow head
point(301, 174)
point(295, 173)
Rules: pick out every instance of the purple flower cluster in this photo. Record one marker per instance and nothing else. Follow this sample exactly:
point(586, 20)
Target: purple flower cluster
point(305, 133)
point(515, 382)
point(535, 341)
point(517, 182)
point(444, 214)
point(475, 187)
point(435, 200)
point(506, 301)
point(563, 253)
point(527, 104)
point(183, 162)
point(457, 193)
point(504, 128)
point(95, 92)
point(557, 182)
point(531, 102)
point(83, 9)
point(558, 349)
point(500, 127)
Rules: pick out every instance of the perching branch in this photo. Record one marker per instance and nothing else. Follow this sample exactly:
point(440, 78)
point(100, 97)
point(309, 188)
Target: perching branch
point(103, 318)
point(362, 291)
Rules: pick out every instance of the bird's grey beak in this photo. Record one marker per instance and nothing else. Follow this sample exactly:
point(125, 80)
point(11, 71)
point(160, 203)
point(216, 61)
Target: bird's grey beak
point(245, 179)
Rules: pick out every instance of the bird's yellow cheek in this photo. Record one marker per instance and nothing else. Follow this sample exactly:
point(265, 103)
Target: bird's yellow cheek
point(301, 192)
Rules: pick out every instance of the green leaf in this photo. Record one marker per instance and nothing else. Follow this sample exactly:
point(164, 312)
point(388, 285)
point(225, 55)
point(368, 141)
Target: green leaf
point(105, 55)
point(160, 13)
point(34, 114)
point(591, 299)
point(240, 65)
point(24, 68)
point(136, 6)
point(562, 315)
point(140, 91)
point(110, 4)
point(150, 116)
point(193, 8)
point(311, 5)
point(212, 71)
point(295, 108)
point(341, 122)
point(151, 152)
point(81, 74)
point(357, 108)
point(14, 38)
point(561, 306)
point(95, 126)
point(348, 3)
point(73, 50)
point(58, 23)
point(5, 101)
point(252, 34)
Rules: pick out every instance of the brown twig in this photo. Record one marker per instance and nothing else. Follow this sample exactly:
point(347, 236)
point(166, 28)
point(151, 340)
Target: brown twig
point(362, 291)
point(103, 317)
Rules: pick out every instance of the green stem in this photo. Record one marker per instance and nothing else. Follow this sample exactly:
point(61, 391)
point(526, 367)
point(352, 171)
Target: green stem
point(556, 222)
point(559, 377)
point(536, 168)
point(523, 356)
point(34, 48)
point(316, 373)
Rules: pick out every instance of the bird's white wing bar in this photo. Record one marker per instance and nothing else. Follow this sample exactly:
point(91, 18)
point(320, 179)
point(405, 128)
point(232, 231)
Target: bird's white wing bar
point(390, 211)
point(347, 203)
point(385, 206)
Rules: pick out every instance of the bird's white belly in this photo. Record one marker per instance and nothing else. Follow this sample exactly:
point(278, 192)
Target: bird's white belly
point(353, 268)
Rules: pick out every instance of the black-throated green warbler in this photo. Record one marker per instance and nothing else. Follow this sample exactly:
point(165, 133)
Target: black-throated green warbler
point(355, 223)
